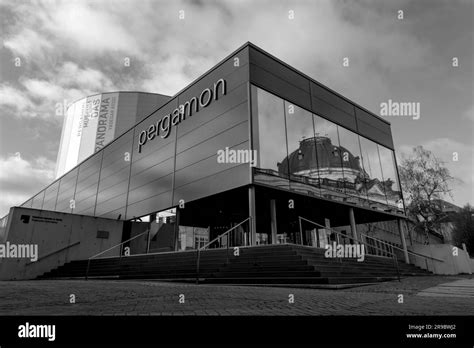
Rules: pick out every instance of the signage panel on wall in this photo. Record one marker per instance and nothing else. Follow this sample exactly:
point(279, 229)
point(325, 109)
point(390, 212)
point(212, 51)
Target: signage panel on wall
point(106, 121)
point(65, 139)
point(89, 127)
point(75, 135)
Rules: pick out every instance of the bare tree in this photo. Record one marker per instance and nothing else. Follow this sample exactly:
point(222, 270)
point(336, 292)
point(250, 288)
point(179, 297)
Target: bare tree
point(425, 180)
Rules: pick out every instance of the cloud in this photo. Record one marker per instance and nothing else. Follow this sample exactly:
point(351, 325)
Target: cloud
point(469, 114)
point(70, 75)
point(172, 75)
point(20, 179)
point(29, 44)
point(42, 89)
point(78, 26)
point(65, 84)
point(167, 53)
point(90, 27)
point(14, 98)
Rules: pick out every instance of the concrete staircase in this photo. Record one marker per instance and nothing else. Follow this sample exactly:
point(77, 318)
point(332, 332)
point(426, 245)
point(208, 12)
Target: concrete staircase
point(274, 264)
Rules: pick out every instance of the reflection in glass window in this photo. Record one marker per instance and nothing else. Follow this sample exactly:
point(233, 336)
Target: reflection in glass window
point(271, 138)
point(389, 171)
point(329, 154)
point(354, 182)
point(301, 162)
point(304, 152)
point(371, 164)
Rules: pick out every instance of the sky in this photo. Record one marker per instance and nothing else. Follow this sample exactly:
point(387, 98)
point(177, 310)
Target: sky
point(55, 52)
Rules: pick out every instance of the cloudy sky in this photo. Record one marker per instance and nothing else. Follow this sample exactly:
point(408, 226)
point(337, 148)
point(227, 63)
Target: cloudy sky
point(54, 52)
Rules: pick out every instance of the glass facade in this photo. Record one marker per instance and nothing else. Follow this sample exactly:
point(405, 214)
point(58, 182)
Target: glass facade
point(371, 161)
point(297, 151)
point(352, 166)
point(271, 136)
point(390, 175)
point(305, 152)
point(301, 150)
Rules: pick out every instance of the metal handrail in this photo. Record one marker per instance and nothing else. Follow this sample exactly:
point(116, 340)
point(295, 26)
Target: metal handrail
point(226, 233)
point(394, 256)
point(339, 233)
point(409, 252)
point(102, 252)
point(54, 252)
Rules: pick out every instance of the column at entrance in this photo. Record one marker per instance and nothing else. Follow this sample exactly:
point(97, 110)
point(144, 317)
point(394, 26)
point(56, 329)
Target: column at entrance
point(402, 238)
point(150, 226)
point(353, 224)
point(176, 229)
point(253, 217)
point(273, 221)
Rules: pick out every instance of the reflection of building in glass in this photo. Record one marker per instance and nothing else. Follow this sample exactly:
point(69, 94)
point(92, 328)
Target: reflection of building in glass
point(335, 167)
point(323, 158)
point(318, 158)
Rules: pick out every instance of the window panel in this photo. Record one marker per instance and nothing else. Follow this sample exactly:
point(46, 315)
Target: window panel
point(352, 163)
point(302, 162)
point(389, 171)
point(271, 139)
point(329, 157)
point(373, 171)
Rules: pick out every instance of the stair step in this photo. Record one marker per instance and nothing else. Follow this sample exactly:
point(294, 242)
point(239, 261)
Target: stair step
point(278, 264)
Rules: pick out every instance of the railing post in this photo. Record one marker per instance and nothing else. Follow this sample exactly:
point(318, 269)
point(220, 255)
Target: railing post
point(353, 223)
point(363, 240)
point(301, 229)
point(396, 264)
point(87, 270)
point(338, 243)
point(197, 266)
point(148, 241)
point(227, 251)
point(403, 241)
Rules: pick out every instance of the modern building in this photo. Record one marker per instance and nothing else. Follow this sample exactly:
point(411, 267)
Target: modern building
point(252, 139)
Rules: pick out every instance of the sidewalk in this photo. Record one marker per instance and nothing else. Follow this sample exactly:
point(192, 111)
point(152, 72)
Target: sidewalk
point(113, 297)
point(460, 288)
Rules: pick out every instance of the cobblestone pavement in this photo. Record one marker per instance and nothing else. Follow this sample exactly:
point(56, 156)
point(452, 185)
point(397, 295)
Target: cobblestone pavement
point(458, 288)
point(112, 297)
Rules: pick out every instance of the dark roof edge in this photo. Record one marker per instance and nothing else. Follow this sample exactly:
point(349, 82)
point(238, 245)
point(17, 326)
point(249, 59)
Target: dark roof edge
point(316, 82)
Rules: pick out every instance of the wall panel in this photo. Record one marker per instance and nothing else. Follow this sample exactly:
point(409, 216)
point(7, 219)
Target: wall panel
point(37, 201)
point(66, 191)
point(50, 195)
point(114, 177)
point(87, 184)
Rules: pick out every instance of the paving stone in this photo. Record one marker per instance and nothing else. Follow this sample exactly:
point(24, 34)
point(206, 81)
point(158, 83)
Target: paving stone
point(113, 297)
